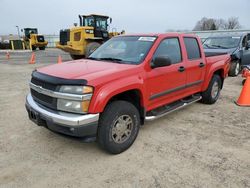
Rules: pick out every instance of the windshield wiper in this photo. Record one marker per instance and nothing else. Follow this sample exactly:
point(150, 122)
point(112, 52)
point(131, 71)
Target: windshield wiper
point(92, 58)
point(111, 59)
point(219, 46)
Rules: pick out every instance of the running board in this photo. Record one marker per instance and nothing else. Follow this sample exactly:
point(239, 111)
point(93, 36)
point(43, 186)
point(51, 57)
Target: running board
point(164, 110)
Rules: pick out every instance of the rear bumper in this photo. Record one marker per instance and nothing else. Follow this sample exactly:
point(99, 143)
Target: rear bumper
point(65, 123)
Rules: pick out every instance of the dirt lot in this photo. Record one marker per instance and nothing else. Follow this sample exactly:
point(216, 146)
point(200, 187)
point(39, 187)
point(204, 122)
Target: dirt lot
point(198, 146)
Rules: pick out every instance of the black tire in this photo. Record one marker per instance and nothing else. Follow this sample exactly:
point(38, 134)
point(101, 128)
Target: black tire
point(33, 48)
point(243, 82)
point(210, 96)
point(75, 57)
point(107, 137)
point(234, 68)
point(42, 48)
point(90, 48)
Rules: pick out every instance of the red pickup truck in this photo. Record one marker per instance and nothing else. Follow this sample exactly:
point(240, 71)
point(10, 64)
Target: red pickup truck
point(128, 80)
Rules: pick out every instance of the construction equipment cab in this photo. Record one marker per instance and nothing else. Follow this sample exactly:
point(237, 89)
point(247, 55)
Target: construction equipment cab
point(33, 40)
point(81, 41)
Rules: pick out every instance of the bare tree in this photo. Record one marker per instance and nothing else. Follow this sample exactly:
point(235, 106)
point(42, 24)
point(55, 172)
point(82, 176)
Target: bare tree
point(205, 24)
point(215, 24)
point(233, 23)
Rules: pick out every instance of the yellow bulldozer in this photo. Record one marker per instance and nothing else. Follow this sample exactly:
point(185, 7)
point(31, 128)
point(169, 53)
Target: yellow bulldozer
point(80, 41)
point(33, 40)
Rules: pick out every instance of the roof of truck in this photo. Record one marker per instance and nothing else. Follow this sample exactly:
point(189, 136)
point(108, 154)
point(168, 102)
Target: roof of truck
point(96, 15)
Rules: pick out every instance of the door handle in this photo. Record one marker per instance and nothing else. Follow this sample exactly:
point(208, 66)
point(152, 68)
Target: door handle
point(201, 64)
point(181, 69)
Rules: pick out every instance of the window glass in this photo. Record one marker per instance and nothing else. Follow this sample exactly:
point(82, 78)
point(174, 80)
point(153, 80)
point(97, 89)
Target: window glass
point(89, 21)
point(101, 23)
point(192, 47)
point(244, 41)
point(128, 49)
point(170, 47)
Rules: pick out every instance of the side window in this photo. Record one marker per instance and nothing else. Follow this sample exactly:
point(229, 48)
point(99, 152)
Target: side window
point(192, 47)
point(170, 47)
point(244, 41)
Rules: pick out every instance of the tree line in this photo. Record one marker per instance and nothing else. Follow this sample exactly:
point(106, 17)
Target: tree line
point(216, 24)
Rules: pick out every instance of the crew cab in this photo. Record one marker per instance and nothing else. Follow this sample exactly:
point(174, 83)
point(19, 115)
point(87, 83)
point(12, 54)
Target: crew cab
point(236, 44)
point(128, 80)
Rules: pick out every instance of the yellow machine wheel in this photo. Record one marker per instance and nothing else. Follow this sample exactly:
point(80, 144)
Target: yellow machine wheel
point(42, 48)
point(75, 57)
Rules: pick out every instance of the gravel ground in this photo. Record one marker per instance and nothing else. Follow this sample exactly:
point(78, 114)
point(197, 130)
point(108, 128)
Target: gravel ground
point(198, 146)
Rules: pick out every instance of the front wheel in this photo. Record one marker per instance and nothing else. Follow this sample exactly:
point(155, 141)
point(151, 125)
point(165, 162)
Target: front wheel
point(234, 68)
point(118, 126)
point(211, 95)
point(33, 48)
point(42, 48)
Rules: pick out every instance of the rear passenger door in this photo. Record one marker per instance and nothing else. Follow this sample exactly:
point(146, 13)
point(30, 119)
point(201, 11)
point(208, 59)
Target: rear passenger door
point(195, 65)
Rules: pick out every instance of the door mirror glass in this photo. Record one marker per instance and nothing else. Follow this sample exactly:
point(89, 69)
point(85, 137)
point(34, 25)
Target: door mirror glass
point(161, 61)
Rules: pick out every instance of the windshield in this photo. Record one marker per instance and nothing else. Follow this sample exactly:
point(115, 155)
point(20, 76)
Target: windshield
point(126, 49)
point(89, 21)
point(99, 22)
point(221, 42)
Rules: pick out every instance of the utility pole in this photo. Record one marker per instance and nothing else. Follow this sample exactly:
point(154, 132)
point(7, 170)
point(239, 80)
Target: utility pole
point(18, 31)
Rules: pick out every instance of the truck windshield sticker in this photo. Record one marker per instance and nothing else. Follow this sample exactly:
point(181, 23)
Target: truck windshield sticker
point(150, 39)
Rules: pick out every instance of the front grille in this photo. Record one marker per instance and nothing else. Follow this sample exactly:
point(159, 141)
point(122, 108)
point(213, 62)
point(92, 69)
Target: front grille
point(45, 85)
point(64, 36)
point(42, 99)
point(40, 38)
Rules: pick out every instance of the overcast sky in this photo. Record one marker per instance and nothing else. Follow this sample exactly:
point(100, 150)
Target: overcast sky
point(134, 16)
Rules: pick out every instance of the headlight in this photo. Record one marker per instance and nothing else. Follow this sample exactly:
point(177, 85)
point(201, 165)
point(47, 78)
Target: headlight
point(74, 105)
point(89, 31)
point(76, 89)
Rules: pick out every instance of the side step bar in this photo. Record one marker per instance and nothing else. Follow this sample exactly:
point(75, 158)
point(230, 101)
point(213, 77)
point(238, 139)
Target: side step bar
point(164, 110)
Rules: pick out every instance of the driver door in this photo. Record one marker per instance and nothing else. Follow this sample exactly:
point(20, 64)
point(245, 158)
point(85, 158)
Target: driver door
point(166, 84)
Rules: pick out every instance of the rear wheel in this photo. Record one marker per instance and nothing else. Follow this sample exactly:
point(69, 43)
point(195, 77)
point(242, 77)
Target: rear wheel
point(75, 57)
point(42, 48)
point(234, 68)
point(211, 95)
point(90, 48)
point(118, 126)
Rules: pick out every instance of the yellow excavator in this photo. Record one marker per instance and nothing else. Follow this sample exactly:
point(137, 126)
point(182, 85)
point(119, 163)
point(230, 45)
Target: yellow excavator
point(80, 41)
point(33, 40)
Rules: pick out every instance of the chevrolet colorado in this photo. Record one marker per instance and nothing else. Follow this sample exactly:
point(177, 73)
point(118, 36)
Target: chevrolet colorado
point(128, 80)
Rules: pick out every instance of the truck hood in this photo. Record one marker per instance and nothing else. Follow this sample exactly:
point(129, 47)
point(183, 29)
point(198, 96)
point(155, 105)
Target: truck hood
point(92, 71)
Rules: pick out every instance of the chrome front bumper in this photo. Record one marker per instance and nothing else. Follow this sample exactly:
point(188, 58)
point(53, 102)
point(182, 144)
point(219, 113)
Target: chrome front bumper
point(66, 123)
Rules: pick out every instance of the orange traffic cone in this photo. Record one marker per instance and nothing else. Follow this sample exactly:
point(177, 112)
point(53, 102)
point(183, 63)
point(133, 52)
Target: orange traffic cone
point(244, 99)
point(7, 55)
point(59, 60)
point(32, 59)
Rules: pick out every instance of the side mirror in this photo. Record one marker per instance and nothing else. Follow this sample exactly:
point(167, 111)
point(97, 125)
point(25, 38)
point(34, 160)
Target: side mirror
point(161, 61)
point(21, 30)
point(248, 45)
point(110, 20)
